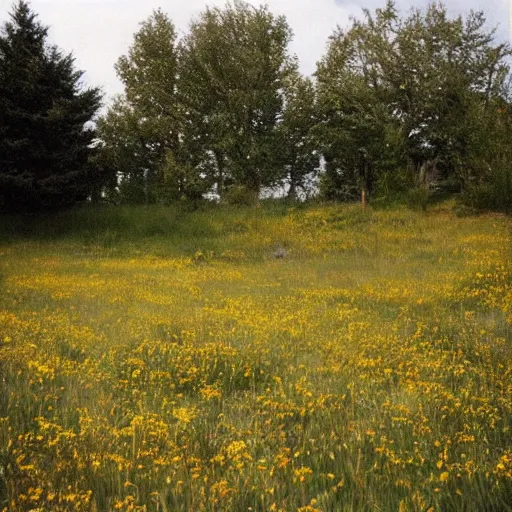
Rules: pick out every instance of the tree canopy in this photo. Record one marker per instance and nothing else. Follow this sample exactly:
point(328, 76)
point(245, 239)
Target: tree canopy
point(419, 101)
point(410, 93)
point(144, 123)
point(201, 112)
point(234, 65)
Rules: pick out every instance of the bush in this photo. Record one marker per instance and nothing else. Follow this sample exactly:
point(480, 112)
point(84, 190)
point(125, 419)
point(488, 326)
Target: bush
point(239, 195)
point(418, 198)
point(494, 194)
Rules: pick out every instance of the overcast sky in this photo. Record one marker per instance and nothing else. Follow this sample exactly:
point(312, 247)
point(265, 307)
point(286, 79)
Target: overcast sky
point(99, 31)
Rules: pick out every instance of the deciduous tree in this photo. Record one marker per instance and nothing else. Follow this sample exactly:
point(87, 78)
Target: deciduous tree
point(234, 64)
point(408, 92)
point(144, 129)
point(297, 148)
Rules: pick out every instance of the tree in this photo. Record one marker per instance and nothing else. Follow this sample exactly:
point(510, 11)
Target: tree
point(356, 133)
point(297, 149)
point(407, 93)
point(487, 174)
point(126, 153)
point(143, 131)
point(45, 146)
point(449, 69)
point(233, 66)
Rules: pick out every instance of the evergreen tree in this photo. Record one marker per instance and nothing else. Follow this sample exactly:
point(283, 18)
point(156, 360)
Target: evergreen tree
point(45, 148)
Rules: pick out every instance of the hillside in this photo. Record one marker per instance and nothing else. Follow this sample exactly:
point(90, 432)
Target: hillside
point(321, 358)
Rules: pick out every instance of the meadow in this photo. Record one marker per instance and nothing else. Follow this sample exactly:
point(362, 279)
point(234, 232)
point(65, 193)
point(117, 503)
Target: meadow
point(156, 359)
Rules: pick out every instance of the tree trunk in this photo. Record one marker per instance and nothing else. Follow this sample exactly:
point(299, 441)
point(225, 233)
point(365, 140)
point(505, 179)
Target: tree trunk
point(219, 157)
point(292, 192)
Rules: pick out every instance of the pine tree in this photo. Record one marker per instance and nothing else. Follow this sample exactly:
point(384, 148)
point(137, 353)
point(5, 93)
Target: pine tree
point(44, 145)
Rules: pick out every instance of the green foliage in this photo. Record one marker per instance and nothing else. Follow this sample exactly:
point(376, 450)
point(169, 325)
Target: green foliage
point(201, 112)
point(126, 154)
point(143, 130)
point(180, 182)
point(402, 105)
point(358, 135)
point(418, 93)
point(234, 62)
point(148, 72)
point(44, 146)
point(239, 195)
point(487, 175)
point(297, 148)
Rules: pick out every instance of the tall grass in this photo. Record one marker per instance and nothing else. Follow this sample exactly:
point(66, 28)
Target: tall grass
point(163, 359)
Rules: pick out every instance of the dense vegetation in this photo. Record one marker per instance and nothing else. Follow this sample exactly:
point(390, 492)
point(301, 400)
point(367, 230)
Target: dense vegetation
point(283, 356)
point(399, 106)
point(44, 145)
point(274, 359)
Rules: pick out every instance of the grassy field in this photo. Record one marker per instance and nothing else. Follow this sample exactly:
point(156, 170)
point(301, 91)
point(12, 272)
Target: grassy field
point(159, 360)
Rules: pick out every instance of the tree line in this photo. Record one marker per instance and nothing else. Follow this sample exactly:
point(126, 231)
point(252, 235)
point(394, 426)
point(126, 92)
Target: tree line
point(399, 104)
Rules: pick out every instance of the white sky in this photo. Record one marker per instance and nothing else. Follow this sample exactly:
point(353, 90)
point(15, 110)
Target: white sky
point(98, 32)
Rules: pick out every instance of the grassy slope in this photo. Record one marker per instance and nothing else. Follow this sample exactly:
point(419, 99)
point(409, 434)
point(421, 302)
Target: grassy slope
point(157, 358)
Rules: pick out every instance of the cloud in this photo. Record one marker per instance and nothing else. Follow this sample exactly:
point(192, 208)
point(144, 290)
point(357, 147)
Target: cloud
point(98, 32)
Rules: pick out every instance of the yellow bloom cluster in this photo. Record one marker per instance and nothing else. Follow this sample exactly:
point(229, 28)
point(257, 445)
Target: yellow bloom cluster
point(368, 369)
